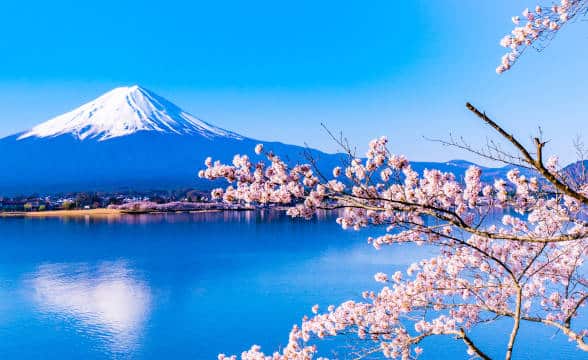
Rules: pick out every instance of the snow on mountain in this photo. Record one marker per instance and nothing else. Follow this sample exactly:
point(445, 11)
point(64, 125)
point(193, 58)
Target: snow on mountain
point(125, 111)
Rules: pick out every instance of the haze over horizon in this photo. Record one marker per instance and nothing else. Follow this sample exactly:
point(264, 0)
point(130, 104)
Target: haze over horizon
point(276, 72)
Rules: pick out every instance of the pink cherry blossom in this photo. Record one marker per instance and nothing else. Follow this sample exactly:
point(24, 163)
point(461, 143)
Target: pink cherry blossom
point(540, 26)
point(521, 268)
point(381, 277)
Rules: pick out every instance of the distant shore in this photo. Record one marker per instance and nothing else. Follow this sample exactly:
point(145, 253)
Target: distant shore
point(103, 212)
point(63, 213)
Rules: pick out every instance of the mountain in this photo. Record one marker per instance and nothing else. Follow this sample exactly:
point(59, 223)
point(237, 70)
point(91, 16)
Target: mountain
point(577, 170)
point(125, 111)
point(127, 139)
point(133, 139)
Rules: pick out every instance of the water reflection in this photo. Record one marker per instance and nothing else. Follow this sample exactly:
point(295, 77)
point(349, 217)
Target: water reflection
point(248, 217)
point(250, 275)
point(107, 301)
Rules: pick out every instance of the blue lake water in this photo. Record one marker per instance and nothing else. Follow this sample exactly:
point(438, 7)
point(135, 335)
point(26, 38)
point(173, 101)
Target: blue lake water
point(194, 285)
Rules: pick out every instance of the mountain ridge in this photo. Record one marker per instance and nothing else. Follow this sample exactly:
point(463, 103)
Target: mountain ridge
point(158, 146)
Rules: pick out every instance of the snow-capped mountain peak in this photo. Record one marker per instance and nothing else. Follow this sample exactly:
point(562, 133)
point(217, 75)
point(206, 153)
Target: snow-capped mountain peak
point(124, 111)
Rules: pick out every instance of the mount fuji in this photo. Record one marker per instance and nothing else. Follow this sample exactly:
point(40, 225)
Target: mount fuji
point(127, 139)
point(125, 111)
point(133, 139)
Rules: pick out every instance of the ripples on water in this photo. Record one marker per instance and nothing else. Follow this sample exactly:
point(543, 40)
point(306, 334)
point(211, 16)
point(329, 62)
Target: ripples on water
point(192, 285)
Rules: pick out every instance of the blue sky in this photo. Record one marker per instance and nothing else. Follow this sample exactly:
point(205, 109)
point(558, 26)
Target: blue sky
point(276, 70)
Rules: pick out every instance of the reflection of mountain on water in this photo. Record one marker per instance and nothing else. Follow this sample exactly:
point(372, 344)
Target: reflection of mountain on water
point(106, 301)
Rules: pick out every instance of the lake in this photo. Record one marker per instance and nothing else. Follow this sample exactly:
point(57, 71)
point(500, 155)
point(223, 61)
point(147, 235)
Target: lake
point(194, 285)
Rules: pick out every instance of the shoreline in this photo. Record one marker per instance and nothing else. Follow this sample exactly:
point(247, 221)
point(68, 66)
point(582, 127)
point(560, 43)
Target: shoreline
point(100, 212)
point(62, 213)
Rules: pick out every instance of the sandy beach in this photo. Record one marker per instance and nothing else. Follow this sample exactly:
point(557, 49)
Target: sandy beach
point(64, 213)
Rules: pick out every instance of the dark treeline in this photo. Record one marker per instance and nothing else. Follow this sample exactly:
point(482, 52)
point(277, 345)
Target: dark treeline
point(93, 200)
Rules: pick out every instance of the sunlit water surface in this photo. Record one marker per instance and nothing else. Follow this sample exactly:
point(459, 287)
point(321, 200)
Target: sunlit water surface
point(194, 285)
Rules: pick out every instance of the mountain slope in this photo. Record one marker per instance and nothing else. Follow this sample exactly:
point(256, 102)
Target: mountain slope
point(133, 139)
point(128, 138)
point(142, 161)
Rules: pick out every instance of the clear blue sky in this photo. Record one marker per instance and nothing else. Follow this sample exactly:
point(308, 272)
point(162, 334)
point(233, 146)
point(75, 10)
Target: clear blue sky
point(275, 70)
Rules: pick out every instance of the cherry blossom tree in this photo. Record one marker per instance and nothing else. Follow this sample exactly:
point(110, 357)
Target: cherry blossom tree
point(536, 27)
point(527, 267)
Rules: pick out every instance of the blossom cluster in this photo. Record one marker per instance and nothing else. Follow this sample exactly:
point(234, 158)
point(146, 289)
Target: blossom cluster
point(536, 25)
point(527, 266)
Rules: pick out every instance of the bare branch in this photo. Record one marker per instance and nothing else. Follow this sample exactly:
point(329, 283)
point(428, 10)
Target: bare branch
point(537, 162)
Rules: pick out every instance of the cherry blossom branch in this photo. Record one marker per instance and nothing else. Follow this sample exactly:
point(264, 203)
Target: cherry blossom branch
point(480, 270)
point(516, 325)
point(492, 151)
point(452, 218)
point(537, 162)
point(573, 312)
point(566, 330)
point(459, 335)
point(542, 24)
point(470, 344)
